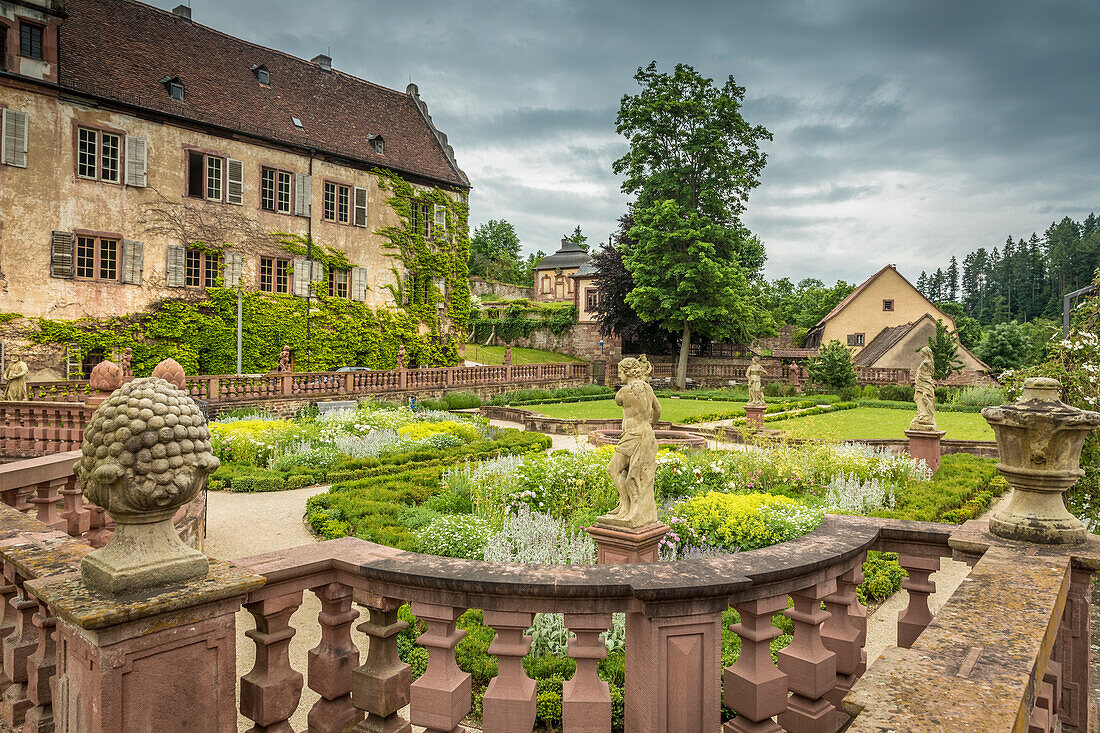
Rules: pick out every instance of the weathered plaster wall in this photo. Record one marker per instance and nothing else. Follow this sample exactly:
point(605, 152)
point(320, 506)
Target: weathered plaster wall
point(554, 285)
point(479, 287)
point(904, 353)
point(47, 196)
point(865, 314)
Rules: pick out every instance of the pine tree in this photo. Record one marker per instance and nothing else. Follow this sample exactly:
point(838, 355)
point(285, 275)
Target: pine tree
point(922, 283)
point(953, 280)
point(945, 351)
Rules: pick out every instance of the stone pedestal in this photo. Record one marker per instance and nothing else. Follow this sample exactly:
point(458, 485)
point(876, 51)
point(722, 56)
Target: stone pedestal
point(926, 444)
point(149, 661)
point(754, 416)
point(618, 545)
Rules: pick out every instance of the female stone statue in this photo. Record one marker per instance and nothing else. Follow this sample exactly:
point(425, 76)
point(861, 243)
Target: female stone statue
point(756, 374)
point(635, 460)
point(924, 395)
point(16, 377)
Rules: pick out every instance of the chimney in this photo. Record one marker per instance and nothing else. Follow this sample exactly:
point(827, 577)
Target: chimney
point(564, 242)
point(325, 62)
point(183, 11)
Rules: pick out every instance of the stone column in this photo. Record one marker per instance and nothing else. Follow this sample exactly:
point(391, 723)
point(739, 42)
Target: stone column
point(624, 546)
point(925, 444)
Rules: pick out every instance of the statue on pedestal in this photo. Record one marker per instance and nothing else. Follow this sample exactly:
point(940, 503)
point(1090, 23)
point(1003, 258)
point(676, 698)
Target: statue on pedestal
point(635, 460)
point(401, 356)
point(924, 387)
point(508, 355)
point(284, 360)
point(124, 360)
point(756, 373)
point(15, 376)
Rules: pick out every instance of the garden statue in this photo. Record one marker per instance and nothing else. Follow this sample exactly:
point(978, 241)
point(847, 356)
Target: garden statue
point(15, 377)
point(284, 359)
point(925, 392)
point(508, 355)
point(756, 374)
point(124, 362)
point(401, 356)
point(634, 463)
point(146, 453)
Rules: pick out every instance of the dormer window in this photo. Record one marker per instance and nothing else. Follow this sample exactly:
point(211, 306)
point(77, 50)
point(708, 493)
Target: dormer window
point(262, 74)
point(377, 144)
point(174, 87)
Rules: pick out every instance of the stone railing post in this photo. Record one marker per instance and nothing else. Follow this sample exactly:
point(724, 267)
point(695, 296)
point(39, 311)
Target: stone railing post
point(41, 668)
point(144, 609)
point(916, 616)
point(271, 691)
point(441, 697)
point(754, 688)
point(46, 500)
point(586, 699)
point(18, 647)
point(213, 389)
point(76, 515)
point(672, 673)
point(810, 667)
point(332, 662)
point(509, 702)
point(380, 687)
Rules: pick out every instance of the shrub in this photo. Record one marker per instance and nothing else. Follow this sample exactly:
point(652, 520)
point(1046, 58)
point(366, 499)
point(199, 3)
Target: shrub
point(896, 392)
point(870, 392)
point(747, 521)
point(980, 395)
point(298, 482)
point(448, 503)
point(269, 483)
point(461, 400)
point(459, 535)
point(531, 537)
point(848, 394)
point(548, 707)
point(882, 576)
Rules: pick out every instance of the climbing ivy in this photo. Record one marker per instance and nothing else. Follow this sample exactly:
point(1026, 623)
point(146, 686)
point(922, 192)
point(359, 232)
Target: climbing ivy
point(523, 318)
point(201, 336)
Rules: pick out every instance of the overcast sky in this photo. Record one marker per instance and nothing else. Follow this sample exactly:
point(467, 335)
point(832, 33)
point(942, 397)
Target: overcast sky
point(905, 132)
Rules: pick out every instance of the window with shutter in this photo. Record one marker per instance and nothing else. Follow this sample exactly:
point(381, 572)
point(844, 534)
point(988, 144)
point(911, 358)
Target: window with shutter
point(61, 255)
point(136, 161)
point(360, 219)
point(356, 283)
point(317, 274)
point(176, 265)
point(14, 148)
point(133, 256)
point(441, 218)
point(234, 192)
point(303, 194)
point(301, 277)
point(234, 264)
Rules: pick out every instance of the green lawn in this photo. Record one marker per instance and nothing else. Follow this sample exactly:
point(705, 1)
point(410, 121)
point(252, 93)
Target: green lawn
point(876, 422)
point(495, 355)
point(674, 410)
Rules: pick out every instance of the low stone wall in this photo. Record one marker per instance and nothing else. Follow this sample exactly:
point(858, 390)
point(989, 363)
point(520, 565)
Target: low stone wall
point(539, 423)
point(581, 341)
point(979, 448)
point(479, 286)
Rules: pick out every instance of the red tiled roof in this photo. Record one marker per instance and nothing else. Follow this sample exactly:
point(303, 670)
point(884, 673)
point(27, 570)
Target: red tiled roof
point(122, 49)
point(883, 342)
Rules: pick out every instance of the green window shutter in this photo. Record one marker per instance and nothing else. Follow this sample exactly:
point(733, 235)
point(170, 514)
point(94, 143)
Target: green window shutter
point(174, 274)
point(133, 257)
point(136, 161)
point(61, 255)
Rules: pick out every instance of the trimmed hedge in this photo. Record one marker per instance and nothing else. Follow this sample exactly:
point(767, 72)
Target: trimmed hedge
point(893, 405)
point(817, 410)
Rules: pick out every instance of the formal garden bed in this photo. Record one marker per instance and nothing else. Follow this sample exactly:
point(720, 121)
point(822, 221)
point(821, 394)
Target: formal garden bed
point(533, 507)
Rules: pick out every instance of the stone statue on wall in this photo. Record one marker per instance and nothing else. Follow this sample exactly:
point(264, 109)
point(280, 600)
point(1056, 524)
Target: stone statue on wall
point(924, 392)
point(635, 460)
point(15, 377)
point(401, 356)
point(508, 355)
point(124, 360)
point(756, 373)
point(146, 453)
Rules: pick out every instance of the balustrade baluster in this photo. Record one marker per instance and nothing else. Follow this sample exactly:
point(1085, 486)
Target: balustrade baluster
point(810, 667)
point(41, 667)
point(842, 635)
point(441, 697)
point(18, 647)
point(916, 616)
point(754, 688)
point(76, 515)
point(509, 701)
point(586, 699)
point(271, 691)
point(380, 687)
point(7, 624)
point(46, 499)
point(332, 662)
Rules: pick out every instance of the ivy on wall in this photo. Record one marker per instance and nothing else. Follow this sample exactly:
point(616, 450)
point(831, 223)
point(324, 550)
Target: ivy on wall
point(522, 318)
point(202, 336)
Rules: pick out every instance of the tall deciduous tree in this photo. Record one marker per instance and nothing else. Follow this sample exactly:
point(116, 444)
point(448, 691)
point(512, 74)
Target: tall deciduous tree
point(494, 252)
point(833, 366)
point(692, 161)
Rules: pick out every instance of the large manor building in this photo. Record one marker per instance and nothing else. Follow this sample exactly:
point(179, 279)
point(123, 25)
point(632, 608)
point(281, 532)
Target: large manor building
point(146, 156)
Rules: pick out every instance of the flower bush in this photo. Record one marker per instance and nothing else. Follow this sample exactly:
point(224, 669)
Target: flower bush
point(455, 535)
point(850, 494)
point(565, 483)
point(747, 521)
point(532, 537)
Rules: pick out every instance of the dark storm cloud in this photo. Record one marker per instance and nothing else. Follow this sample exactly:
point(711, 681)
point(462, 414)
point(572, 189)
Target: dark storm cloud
point(904, 131)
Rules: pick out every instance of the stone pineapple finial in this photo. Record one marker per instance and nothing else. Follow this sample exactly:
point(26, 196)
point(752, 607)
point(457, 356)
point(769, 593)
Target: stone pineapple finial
point(170, 371)
point(146, 453)
point(1039, 441)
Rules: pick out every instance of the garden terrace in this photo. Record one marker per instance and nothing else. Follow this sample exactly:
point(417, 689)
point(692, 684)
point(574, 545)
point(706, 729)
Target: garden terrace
point(673, 625)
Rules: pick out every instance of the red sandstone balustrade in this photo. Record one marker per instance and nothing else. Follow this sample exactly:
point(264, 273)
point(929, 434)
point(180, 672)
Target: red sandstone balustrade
point(36, 428)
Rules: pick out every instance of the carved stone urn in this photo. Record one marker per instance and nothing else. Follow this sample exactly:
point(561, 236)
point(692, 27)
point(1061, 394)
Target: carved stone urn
point(1039, 440)
point(146, 453)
